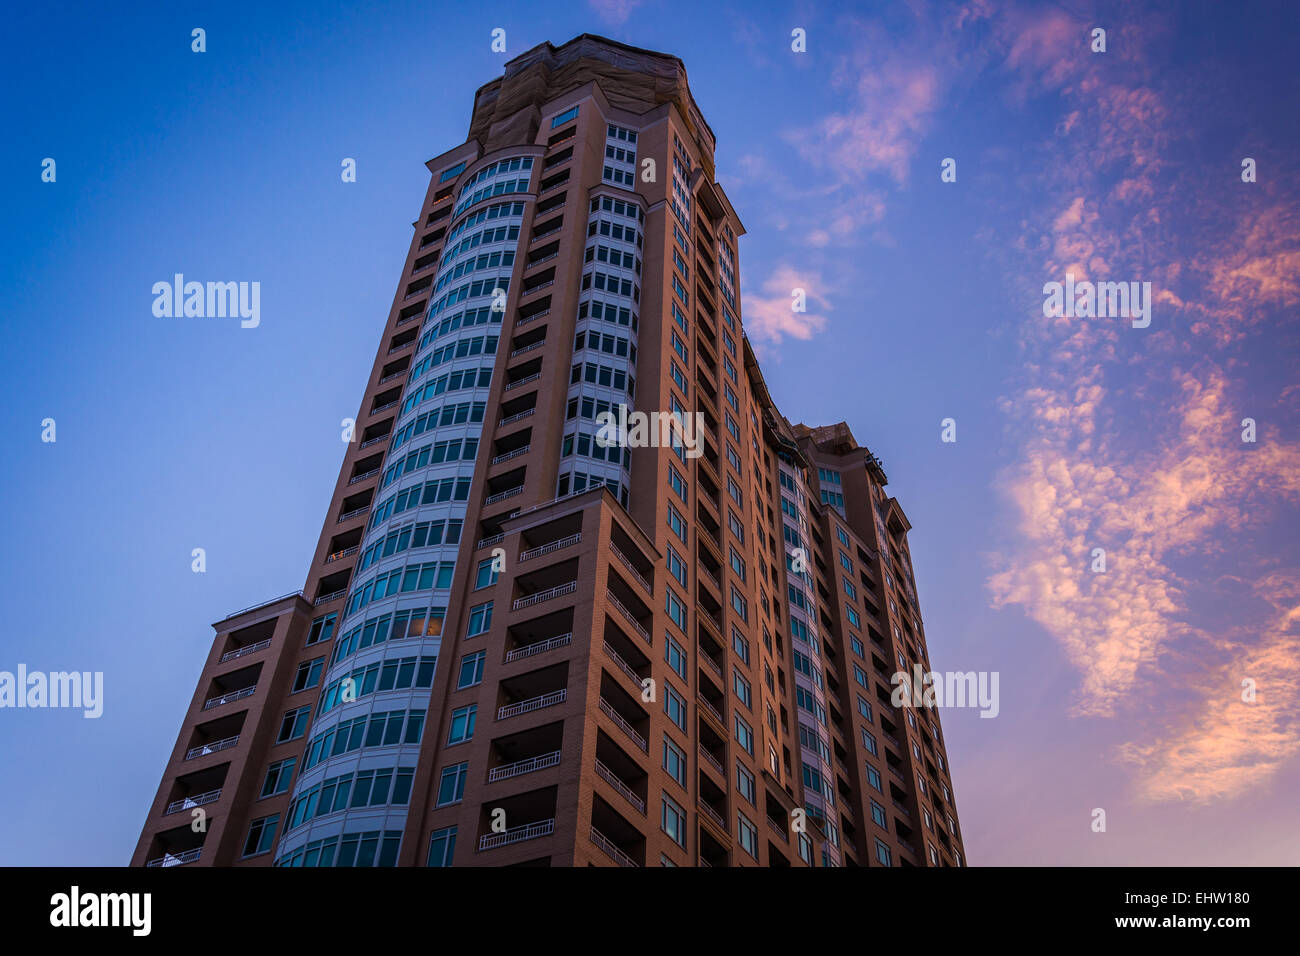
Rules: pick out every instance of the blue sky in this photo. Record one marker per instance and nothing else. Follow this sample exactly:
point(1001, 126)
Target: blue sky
point(1118, 691)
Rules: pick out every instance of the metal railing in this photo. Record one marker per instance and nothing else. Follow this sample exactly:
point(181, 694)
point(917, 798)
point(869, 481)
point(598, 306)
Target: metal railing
point(511, 419)
point(263, 604)
point(227, 698)
point(636, 573)
point(503, 495)
point(356, 479)
point(550, 547)
point(532, 704)
point(713, 761)
point(326, 598)
point(623, 665)
point(353, 513)
point(709, 708)
point(541, 647)
point(611, 849)
point(489, 541)
point(624, 790)
point(521, 767)
point(608, 710)
point(522, 381)
point(546, 595)
point(176, 859)
point(189, 803)
point(506, 456)
point(713, 815)
point(631, 618)
point(342, 554)
point(225, 743)
point(530, 831)
point(240, 652)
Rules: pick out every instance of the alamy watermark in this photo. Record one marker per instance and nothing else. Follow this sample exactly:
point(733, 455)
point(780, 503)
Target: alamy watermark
point(947, 689)
point(211, 300)
point(630, 429)
point(1098, 300)
point(37, 689)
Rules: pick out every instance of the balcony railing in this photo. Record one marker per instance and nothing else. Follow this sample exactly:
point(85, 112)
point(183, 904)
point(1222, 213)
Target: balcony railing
point(778, 829)
point(353, 513)
point(374, 441)
point(546, 595)
point(511, 419)
point(384, 408)
point(623, 665)
point(326, 598)
point(611, 849)
point(357, 479)
point(522, 381)
point(541, 647)
point(713, 665)
point(532, 704)
point(713, 711)
point(713, 815)
point(254, 607)
point(712, 761)
point(189, 803)
point(503, 495)
point(342, 554)
point(232, 696)
point(531, 831)
point(176, 859)
point(240, 652)
point(521, 767)
point(225, 743)
point(525, 319)
point(624, 790)
point(522, 450)
point(902, 809)
point(550, 547)
point(608, 710)
point(631, 618)
point(636, 574)
point(527, 348)
point(489, 541)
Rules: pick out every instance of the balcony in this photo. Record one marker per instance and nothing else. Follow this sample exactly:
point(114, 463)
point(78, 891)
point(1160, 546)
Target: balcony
point(510, 386)
point(623, 665)
point(529, 831)
point(332, 596)
point(712, 761)
point(346, 552)
point(177, 859)
point(540, 647)
point(189, 803)
point(503, 495)
point(507, 456)
point(230, 697)
point(533, 704)
point(249, 649)
point(521, 767)
point(620, 787)
point(550, 548)
point(518, 416)
point(628, 615)
point(548, 595)
point(611, 849)
point(608, 710)
point(632, 569)
point(215, 746)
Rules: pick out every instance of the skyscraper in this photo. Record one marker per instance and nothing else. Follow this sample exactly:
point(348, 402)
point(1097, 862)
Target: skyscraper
point(520, 643)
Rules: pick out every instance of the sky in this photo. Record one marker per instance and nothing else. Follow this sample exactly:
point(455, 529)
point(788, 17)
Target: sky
point(1123, 690)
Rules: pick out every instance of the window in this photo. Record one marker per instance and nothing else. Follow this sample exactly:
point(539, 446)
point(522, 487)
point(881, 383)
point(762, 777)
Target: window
point(675, 707)
point(676, 523)
point(676, 610)
point(744, 735)
point(738, 604)
point(878, 815)
point(486, 575)
point(675, 761)
point(676, 566)
point(934, 855)
point(742, 689)
point(471, 670)
point(869, 742)
point(442, 847)
point(322, 629)
point(748, 835)
point(261, 834)
point(308, 675)
point(844, 538)
point(882, 854)
point(675, 656)
point(673, 821)
point(873, 778)
point(278, 777)
point(740, 645)
point(745, 784)
point(677, 483)
point(451, 787)
point(293, 724)
point(564, 117)
point(462, 724)
point(864, 707)
point(480, 619)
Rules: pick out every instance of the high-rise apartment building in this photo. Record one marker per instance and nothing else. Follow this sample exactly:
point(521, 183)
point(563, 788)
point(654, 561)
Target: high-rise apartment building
point(520, 645)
